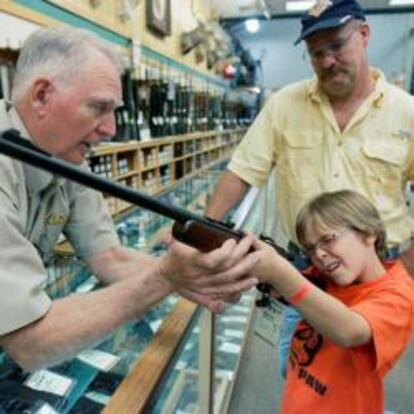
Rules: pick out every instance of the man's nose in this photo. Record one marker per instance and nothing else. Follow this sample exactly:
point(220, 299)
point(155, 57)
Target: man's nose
point(107, 125)
point(326, 60)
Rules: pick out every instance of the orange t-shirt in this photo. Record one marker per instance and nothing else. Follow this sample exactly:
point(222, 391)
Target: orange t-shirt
point(324, 378)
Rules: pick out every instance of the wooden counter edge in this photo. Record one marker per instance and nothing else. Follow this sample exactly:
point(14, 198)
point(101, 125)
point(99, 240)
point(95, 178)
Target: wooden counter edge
point(136, 389)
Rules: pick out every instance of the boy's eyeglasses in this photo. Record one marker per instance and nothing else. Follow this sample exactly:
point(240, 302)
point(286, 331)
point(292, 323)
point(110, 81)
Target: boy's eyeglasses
point(325, 242)
point(334, 49)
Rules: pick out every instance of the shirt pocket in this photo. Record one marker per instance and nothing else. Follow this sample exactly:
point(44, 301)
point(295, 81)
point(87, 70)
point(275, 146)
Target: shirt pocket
point(385, 161)
point(300, 163)
point(54, 225)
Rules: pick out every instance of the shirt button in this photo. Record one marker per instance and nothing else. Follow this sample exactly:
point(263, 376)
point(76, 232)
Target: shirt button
point(339, 143)
point(336, 175)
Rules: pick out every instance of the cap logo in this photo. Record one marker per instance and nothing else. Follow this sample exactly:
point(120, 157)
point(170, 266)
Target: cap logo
point(319, 7)
point(345, 18)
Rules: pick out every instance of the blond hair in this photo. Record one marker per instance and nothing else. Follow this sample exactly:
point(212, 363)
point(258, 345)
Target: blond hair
point(340, 209)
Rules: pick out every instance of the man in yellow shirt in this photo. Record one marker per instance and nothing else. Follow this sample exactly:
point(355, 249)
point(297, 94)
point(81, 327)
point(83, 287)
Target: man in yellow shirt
point(346, 129)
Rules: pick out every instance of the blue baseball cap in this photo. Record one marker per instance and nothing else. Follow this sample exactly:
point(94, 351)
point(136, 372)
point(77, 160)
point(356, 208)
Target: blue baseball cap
point(327, 14)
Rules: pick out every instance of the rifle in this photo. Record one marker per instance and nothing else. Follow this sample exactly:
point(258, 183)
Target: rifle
point(201, 232)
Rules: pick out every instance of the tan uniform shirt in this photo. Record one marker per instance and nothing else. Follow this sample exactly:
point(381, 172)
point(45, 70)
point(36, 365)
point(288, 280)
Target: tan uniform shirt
point(297, 132)
point(35, 208)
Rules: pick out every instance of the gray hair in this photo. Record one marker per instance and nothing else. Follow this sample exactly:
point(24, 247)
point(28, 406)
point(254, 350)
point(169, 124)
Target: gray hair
point(58, 52)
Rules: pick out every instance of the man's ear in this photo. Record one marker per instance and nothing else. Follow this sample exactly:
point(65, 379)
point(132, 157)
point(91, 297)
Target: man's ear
point(365, 32)
point(41, 95)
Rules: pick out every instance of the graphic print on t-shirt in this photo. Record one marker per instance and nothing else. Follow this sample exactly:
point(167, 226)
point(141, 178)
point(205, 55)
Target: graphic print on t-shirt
point(306, 344)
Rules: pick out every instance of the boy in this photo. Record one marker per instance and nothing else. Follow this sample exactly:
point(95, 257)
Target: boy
point(354, 330)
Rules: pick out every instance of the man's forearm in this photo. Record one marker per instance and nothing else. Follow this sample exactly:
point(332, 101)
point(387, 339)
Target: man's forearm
point(229, 191)
point(80, 321)
point(119, 263)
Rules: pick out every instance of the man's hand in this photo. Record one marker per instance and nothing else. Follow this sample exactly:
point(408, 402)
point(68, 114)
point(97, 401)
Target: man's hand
point(210, 279)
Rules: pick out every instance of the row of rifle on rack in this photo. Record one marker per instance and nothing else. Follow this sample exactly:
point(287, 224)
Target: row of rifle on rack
point(163, 107)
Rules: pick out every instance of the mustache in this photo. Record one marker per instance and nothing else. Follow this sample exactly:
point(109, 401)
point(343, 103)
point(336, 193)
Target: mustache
point(331, 72)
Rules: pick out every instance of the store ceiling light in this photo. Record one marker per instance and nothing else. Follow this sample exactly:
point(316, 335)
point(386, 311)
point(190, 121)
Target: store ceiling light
point(294, 6)
point(401, 2)
point(252, 25)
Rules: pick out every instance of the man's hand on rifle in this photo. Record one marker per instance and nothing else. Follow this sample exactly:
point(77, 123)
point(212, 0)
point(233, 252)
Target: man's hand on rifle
point(210, 279)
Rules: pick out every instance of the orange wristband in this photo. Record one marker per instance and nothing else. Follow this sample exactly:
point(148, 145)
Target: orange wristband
point(301, 294)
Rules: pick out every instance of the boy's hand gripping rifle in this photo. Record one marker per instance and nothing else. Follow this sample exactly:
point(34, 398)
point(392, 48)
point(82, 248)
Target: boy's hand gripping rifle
point(192, 229)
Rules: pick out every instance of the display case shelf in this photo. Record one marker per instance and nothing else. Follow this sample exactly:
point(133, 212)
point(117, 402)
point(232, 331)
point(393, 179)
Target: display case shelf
point(182, 160)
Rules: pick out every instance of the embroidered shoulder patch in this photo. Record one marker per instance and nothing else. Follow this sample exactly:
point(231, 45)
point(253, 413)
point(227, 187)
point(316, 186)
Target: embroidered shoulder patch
point(56, 219)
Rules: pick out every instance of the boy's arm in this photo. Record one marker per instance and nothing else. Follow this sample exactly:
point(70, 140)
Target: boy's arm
point(329, 316)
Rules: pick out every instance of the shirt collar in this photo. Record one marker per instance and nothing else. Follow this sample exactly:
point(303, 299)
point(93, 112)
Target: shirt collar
point(377, 96)
point(37, 180)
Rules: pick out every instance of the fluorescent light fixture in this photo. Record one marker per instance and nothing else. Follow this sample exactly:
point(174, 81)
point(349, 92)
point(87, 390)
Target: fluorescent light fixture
point(401, 2)
point(252, 25)
point(299, 5)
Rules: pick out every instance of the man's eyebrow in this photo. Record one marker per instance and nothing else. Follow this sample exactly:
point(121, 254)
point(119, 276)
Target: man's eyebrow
point(111, 102)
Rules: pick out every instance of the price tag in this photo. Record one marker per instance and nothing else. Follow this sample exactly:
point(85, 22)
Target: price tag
point(230, 348)
point(44, 380)
point(145, 134)
point(241, 309)
point(87, 285)
point(233, 333)
point(155, 325)
point(180, 365)
point(98, 397)
point(235, 319)
point(46, 409)
point(101, 360)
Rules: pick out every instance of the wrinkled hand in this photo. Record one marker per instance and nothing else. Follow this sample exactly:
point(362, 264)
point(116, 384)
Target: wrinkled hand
point(213, 278)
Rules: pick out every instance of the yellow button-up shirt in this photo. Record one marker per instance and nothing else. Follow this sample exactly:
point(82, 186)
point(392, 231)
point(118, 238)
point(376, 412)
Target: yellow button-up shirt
point(297, 133)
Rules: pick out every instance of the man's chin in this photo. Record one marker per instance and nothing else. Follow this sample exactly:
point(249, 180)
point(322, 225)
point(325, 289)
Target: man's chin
point(74, 159)
point(337, 90)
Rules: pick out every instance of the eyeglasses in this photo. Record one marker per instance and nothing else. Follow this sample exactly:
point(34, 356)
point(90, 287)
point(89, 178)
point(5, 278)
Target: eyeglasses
point(325, 242)
point(334, 49)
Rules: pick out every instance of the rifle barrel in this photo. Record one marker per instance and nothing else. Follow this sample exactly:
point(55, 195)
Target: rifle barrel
point(13, 145)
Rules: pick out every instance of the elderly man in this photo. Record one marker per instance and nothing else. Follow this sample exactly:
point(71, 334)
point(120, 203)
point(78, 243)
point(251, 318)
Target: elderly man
point(346, 129)
point(66, 88)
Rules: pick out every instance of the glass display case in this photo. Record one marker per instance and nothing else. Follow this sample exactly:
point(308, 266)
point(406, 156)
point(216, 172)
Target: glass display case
point(87, 383)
